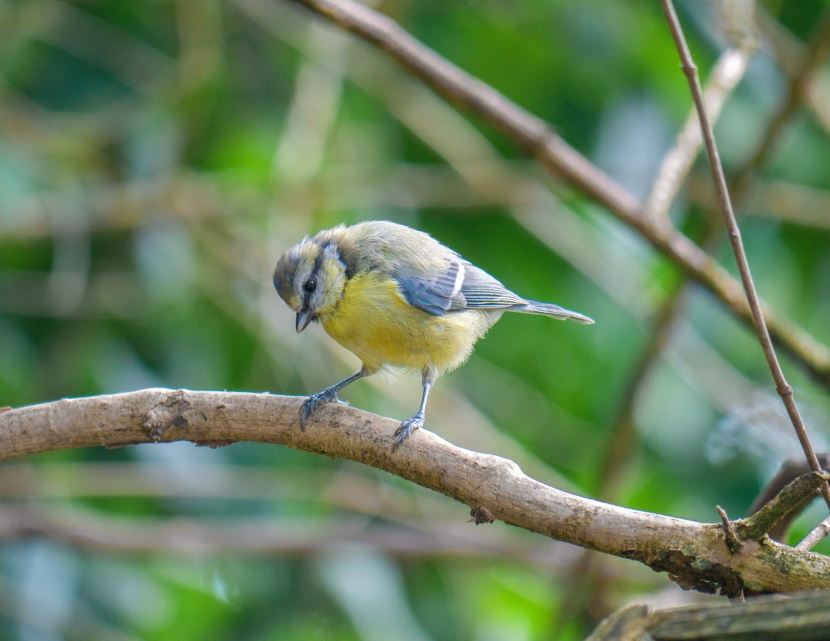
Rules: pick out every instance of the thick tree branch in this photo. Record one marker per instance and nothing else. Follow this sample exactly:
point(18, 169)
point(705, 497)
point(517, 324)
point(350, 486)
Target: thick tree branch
point(694, 554)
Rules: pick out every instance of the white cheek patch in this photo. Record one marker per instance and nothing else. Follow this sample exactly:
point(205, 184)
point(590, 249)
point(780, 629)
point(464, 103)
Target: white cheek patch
point(331, 279)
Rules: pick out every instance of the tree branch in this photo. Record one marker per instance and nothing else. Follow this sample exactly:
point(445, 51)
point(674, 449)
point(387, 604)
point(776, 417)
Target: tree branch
point(694, 554)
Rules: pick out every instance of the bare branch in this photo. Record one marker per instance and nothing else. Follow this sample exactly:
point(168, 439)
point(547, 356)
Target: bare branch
point(694, 554)
point(821, 531)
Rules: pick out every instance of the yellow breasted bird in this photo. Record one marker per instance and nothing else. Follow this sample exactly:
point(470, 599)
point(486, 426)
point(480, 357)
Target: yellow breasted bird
point(393, 295)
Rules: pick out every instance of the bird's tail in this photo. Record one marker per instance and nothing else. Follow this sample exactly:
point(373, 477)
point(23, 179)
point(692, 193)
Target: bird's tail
point(549, 309)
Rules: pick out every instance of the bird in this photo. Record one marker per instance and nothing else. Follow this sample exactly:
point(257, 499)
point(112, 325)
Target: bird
point(395, 296)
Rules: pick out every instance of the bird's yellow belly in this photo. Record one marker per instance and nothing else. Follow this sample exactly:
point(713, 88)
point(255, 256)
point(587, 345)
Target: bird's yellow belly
point(375, 322)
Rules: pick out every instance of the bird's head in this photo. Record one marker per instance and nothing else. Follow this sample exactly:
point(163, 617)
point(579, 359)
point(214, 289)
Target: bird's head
point(310, 277)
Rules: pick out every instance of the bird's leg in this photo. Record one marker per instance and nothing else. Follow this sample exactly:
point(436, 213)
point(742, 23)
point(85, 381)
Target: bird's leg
point(407, 427)
point(327, 395)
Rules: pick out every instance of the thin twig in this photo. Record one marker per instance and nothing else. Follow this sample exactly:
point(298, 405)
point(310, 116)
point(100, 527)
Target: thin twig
point(729, 532)
point(815, 536)
point(782, 386)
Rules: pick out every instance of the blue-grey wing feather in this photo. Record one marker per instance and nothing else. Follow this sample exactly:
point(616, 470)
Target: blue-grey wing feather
point(482, 291)
point(464, 286)
point(436, 294)
point(461, 286)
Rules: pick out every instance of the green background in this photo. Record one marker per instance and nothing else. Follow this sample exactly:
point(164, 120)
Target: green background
point(157, 157)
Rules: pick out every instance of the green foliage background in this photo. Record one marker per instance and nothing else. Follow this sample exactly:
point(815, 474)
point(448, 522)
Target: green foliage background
point(157, 157)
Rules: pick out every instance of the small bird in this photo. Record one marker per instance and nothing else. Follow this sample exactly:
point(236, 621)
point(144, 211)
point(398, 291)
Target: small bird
point(395, 296)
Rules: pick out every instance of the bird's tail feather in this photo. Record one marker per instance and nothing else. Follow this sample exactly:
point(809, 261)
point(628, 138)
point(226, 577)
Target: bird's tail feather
point(554, 311)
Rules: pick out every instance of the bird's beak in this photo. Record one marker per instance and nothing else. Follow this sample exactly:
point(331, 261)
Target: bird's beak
point(303, 319)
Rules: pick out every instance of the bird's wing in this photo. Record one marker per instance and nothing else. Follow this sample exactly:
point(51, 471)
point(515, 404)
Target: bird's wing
point(461, 286)
point(482, 291)
point(436, 294)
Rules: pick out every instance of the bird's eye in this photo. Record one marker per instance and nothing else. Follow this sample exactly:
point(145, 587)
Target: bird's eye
point(310, 285)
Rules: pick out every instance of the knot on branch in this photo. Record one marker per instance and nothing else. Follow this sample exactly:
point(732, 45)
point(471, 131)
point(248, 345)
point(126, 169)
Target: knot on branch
point(730, 532)
point(480, 515)
point(169, 413)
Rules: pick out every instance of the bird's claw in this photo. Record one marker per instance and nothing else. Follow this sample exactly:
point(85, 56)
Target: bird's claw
point(314, 401)
point(406, 428)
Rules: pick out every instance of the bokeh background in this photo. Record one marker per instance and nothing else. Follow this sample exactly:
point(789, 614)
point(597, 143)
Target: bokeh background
point(156, 158)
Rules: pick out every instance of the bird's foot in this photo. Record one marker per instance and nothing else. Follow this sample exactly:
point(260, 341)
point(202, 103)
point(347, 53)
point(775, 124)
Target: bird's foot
point(406, 428)
point(314, 401)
